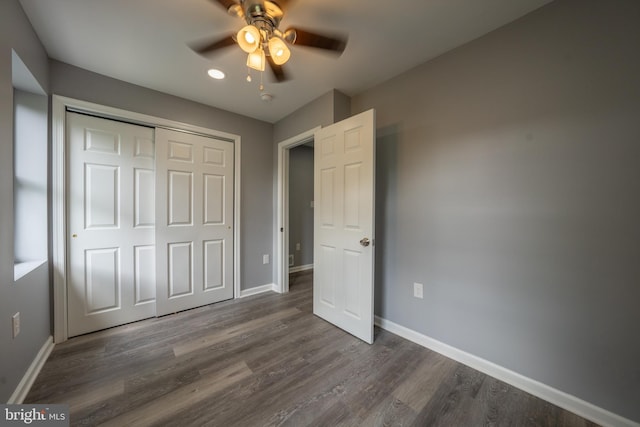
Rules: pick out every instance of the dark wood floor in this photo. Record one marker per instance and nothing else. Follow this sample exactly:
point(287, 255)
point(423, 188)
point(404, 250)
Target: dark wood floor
point(266, 360)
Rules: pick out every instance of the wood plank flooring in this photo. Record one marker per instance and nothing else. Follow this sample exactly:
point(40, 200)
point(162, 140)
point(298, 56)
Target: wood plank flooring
point(267, 360)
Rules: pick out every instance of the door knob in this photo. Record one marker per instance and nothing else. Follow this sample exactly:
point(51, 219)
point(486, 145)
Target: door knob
point(365, 242)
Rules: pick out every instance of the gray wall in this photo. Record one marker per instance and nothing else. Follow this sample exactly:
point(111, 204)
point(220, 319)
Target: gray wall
point(30, 295)
point(508, 183)
point(341, 106)
point(300, 210)
point(257, 197)
point(329, 108)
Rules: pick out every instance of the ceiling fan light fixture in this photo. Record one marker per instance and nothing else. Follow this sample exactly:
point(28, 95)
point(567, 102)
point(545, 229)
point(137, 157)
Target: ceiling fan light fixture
point(249, 38)
point(279, 50)
point(256, 60)
point(262, 39)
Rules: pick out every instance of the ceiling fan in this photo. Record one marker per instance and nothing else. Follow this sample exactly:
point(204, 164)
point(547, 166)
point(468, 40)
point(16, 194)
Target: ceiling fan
point(262, 39)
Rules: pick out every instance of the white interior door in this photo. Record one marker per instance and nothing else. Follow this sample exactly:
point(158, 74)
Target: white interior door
point(111, 223)
point(344, 224)
point(194, 230)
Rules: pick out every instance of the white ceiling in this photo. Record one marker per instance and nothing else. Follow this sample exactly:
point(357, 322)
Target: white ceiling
point(145, 42)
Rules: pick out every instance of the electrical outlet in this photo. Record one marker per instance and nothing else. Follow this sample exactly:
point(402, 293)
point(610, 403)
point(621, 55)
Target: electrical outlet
point(265, 259)
point(297, 246)
point(417, 290)
point(15, 321)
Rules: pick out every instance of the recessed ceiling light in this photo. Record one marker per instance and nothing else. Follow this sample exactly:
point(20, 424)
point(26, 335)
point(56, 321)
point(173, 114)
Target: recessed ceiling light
point(216, 74)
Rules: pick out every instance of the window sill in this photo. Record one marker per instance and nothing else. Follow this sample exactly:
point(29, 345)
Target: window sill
point(21, 269)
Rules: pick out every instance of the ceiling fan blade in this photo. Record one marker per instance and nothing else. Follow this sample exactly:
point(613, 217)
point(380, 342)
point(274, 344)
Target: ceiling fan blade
point(283, 4)
point(205, 48)
point(336, 43)
point(278, 71)
point(227, 4)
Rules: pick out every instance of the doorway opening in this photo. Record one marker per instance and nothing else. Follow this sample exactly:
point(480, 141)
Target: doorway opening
point(301, 208)
point(303, 261)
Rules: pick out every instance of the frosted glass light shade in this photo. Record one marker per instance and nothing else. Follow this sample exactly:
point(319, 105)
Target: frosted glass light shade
point(249, 38)
point(279, 50)
point(256, 60)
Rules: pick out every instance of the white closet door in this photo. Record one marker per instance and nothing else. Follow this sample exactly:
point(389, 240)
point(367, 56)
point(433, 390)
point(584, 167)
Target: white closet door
point(194, 230)
point(111, 211)
point(343, 249)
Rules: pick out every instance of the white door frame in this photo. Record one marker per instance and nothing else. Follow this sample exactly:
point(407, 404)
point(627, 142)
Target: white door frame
point(60, 105)
point(282, 215)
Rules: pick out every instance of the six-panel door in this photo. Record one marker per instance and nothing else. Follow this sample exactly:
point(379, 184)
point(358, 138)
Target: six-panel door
point(344, 224)
point(194, 230)
point(111, 211)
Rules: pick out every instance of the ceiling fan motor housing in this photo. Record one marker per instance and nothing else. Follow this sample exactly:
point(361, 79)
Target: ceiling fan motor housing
point(265, 15)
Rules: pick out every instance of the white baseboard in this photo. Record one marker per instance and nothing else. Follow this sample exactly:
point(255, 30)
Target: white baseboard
point(299, 268)
point(536, 388)
point(258, 290)
point(29, 377)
